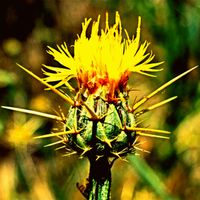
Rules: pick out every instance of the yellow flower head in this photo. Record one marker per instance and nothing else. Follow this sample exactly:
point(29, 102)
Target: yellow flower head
point(105, 59)
point(20, 135)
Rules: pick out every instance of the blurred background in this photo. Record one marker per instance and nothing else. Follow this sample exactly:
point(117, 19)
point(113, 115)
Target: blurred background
point(30, 171)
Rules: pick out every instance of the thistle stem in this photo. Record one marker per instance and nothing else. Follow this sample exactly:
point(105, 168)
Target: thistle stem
point(99, 179)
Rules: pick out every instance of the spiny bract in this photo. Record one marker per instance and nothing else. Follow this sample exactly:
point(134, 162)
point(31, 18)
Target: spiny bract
point(106, 135)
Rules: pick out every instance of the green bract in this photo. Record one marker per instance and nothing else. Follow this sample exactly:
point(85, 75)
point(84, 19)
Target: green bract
point(104, 136)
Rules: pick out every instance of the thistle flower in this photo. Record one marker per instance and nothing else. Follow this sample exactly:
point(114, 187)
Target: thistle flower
point(103, 61)
point(101, 124)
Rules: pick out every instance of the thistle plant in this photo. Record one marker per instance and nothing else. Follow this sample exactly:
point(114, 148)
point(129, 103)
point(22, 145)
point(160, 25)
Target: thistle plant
point(101, 125)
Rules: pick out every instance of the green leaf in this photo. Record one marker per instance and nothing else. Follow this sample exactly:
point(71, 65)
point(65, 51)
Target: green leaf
point(149, 177)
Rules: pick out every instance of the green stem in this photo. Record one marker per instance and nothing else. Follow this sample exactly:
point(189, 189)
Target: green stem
point(99, 179)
